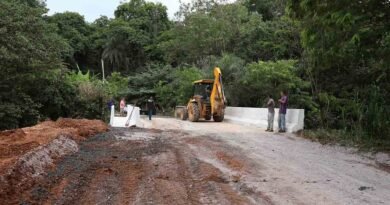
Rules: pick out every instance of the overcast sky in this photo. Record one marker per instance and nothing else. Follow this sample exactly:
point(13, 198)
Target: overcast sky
point(93, 9)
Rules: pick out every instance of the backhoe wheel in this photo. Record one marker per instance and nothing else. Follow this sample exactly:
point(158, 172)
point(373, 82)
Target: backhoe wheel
point(184, 114)
point(208, 117)
point(193, 112)
point(219, 118)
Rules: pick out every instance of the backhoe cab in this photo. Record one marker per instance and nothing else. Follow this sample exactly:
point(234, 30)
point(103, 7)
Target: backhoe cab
point(208, 100)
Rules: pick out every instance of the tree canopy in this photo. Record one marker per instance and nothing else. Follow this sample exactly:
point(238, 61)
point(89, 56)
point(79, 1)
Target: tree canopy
point(29, 48)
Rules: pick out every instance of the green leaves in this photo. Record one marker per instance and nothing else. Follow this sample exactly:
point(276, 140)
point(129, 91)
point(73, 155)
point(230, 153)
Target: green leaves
point(203, 34)
point(345, 56)
point(28, 49)
point(273, 77)
point(134, 33)
point(268, 9)
point(178, 89)
point(230, 28)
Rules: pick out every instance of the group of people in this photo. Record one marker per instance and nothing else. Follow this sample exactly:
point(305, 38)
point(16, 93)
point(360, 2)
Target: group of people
point(151, 106)
point(283, 102)
point(122, 105)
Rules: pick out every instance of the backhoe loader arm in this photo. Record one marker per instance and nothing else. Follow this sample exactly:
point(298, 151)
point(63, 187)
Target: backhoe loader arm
point(217, 98)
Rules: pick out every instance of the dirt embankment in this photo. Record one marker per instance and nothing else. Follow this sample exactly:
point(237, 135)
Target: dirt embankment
point(26, 153)
point(145, 166)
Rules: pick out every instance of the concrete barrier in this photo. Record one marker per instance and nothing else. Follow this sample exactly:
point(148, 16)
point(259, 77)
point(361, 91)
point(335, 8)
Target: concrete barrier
point(121, 121)
point(258, 117)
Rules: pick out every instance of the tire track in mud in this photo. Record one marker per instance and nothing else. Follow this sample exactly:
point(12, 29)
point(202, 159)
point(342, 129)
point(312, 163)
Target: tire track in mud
point(235, 167)
point(140, 166)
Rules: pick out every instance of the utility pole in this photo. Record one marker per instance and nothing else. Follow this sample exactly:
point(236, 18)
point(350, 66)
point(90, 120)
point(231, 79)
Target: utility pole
point(101, 98)
point(103, 70)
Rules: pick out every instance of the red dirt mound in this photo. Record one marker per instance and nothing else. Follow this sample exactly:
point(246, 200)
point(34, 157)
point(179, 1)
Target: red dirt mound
point(16, 143)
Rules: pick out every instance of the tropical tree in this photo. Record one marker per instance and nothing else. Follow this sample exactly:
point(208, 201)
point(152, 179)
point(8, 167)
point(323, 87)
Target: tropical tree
point(230, 28)
point(268, 9)
point(347, 58)
point(133, 35)
point(29, 48)
point(72, 27)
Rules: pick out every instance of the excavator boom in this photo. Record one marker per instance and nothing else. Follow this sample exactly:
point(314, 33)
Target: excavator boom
point(205, 103)
point(217, 98)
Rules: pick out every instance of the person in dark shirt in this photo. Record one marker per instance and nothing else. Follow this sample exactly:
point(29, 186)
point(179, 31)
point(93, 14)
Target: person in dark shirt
point(151, 107)
point(207, 93)
point(283, 101)
point(110, 103)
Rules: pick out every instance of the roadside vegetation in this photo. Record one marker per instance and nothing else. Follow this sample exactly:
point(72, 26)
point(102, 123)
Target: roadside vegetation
point(333, 57)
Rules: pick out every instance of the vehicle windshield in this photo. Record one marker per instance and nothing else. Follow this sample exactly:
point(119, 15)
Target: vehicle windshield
point(200, 89)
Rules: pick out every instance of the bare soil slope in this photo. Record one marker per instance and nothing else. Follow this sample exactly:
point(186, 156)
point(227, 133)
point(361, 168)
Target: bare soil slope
point(25, 154)
point(143, 167)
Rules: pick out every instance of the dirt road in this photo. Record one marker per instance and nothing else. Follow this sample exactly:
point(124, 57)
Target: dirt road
point(176, 162)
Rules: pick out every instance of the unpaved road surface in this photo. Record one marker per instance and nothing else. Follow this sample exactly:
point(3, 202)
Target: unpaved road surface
point(176, 162)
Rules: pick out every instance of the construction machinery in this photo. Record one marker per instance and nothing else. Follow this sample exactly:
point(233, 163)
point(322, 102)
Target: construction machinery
point(208, 100)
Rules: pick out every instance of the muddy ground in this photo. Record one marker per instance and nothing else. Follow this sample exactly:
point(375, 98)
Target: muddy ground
point(26, 154)
point(18, 142)
point(175, 162)
point(144, 167)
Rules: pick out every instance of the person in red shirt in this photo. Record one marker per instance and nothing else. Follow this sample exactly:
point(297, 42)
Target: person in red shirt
point(122, 106)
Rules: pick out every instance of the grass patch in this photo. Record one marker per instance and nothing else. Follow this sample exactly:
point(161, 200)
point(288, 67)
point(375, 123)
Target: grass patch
point(347, 139)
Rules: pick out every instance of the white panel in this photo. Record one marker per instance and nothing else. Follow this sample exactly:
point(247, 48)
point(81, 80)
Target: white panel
point(258, 117)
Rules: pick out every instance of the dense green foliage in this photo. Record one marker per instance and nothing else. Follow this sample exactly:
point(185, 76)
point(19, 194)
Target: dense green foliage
point(332, 57)
point(346, 57)
point(230, 28)
point(29, 49)
point(73, 28)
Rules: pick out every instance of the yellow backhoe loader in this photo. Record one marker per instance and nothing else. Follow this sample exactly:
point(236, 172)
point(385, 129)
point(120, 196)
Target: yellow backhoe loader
point(208, 100)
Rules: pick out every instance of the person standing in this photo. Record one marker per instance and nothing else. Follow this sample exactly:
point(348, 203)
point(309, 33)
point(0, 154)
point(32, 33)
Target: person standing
point(122, 106)
point(282, 111)
point(151, 107)
point(110, 103)
point(208, 93)
point(271, 114)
